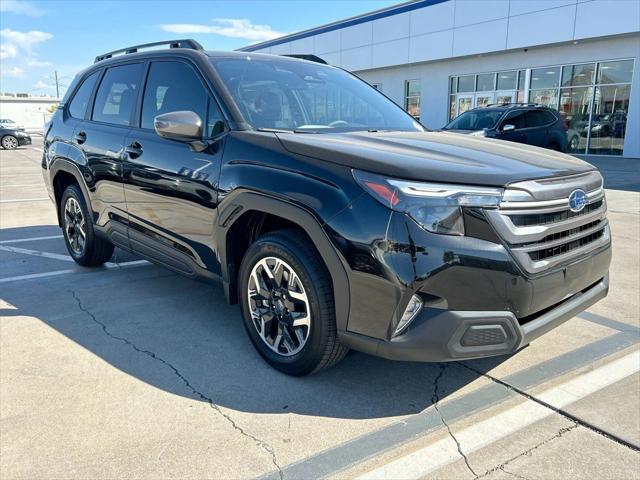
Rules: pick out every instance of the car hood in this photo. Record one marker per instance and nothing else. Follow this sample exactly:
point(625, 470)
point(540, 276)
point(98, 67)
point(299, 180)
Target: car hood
point(435, 156)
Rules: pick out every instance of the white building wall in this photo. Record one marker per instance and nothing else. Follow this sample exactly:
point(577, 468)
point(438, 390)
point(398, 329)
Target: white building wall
point(466, 27)
point(31, 112)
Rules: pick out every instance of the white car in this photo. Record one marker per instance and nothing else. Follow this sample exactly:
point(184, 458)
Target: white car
point(8, 123)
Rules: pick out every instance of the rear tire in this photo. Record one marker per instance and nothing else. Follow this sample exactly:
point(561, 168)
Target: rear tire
point(9, 142)
point(83, 245)
point(281, 278)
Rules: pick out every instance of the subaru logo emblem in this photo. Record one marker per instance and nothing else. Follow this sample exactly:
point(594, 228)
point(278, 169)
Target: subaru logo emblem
point(577, 200)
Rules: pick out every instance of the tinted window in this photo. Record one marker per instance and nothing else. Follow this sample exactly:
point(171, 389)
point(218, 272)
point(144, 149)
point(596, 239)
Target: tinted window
point(538, 118)
point(171, 87)
point(215, 120)
point(117, 94)
point(78, 105)
point(515, 118)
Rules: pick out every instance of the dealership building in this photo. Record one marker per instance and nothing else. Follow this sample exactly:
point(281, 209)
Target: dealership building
point(439, 58)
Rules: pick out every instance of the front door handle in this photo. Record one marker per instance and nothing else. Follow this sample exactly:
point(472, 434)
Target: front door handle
point(80, 137)
point(134, 149)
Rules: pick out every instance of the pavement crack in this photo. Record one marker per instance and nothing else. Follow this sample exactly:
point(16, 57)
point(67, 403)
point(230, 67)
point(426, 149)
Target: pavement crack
point(528, 452)
point(435, 399)
point(559, 411)
point(260, 443)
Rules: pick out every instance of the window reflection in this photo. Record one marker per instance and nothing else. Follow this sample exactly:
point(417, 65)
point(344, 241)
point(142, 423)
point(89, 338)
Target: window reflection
point(609, 120)
point(615, 72)
point(592, 98)
point(575, 108)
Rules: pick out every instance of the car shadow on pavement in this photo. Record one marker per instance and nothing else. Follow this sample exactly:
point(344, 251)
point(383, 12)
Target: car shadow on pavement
point(179, 335)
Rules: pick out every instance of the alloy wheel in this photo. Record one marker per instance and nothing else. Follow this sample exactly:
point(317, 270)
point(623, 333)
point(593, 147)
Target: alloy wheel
point(9, 142)
point(74, 226)
point(279, 306)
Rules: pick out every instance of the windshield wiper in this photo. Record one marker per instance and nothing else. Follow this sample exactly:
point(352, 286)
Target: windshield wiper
point(274, 130)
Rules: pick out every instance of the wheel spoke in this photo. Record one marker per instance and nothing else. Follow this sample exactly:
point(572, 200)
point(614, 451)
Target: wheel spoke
point(278, 305)
point(300, 320)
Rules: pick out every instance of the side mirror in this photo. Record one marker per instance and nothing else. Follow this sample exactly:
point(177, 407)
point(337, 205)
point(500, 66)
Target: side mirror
point(508, 127)
point(182, 125)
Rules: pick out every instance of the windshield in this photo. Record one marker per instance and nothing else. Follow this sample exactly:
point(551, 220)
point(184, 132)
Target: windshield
point(475, 120)
point(303, 96)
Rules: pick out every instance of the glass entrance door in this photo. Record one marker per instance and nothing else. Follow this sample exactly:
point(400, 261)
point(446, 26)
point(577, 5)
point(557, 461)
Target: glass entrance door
point(506, 96)
point(464, 102)
point(484, 99)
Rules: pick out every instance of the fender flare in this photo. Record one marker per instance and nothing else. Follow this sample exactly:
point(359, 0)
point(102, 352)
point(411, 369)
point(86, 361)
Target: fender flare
point(64, 165)
point(240, 202)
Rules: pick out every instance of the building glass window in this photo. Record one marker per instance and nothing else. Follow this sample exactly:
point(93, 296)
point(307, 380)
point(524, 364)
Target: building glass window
point(609, 119)
point(575, 109)
point(486, 82)
point(576, 75)
point(412, 98)
point(452, 107)
point(507, 80)
point(467, 83)
point(615, 72)
point(592, 99)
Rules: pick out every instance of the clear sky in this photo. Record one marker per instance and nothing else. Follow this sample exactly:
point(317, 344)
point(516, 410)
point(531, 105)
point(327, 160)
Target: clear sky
point(40, 36)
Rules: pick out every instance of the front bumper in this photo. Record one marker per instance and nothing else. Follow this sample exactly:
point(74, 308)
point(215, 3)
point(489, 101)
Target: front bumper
point(26, 140)
point(447, 335)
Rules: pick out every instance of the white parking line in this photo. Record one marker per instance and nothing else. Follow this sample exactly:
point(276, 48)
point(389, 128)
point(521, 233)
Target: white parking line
point(31, 239)
point(23, 185)
point(109, 266)
point(441, 453)
point(36, 275)
point(19, 200)
point(37, 253)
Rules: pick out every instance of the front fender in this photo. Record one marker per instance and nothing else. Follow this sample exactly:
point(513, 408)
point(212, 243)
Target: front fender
point(239, 202)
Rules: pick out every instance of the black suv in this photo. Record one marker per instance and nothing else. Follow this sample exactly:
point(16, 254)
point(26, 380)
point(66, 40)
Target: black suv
point(515, 122)
point(333, 218)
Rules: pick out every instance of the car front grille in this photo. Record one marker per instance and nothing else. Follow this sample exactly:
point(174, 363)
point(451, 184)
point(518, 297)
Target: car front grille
point(541, 231)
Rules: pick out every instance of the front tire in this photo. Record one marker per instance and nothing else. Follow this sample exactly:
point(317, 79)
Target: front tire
point(286, 299)
point(9, 142)
point(82, 243)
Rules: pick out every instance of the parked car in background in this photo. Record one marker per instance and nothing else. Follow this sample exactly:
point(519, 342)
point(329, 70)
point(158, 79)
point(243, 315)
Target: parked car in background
point(8, 123)
point(515, 122)
point(12, 138)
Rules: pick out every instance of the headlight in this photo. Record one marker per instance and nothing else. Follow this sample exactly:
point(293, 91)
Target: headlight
point(436, 207)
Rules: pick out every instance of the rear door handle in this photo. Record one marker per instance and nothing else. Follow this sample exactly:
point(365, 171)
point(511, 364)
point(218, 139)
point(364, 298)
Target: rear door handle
point(80, 138)
point(134, 149)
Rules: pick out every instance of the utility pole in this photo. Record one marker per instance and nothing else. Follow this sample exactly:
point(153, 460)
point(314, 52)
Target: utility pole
point(57, 86)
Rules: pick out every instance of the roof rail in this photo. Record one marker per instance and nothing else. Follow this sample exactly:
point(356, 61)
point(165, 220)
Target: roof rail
point(304, 56)
point(184, 43)
point(520, 104)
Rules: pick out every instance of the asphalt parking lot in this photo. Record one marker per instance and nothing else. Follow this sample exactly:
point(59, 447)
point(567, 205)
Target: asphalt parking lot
point(130, 370)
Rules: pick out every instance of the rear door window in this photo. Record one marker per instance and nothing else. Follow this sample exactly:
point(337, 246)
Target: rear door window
point(538, 118)
point(78, 106)
point(117, 94)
